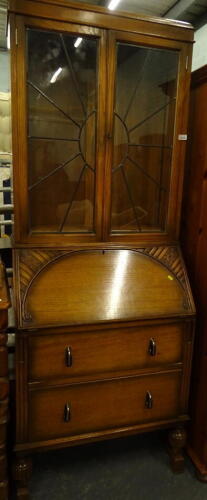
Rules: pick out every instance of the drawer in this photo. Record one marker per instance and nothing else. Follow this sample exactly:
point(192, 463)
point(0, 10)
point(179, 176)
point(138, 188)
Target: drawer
point(78, 354)
point(97, 406)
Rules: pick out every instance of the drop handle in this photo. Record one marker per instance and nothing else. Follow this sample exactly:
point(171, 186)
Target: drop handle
point(148, 400)
point(109, 136)
point(67, 412)
point(152, 347)
point(68, 356)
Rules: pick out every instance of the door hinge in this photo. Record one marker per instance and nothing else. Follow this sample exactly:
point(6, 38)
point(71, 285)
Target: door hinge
point(186, 63)
point(16, 36)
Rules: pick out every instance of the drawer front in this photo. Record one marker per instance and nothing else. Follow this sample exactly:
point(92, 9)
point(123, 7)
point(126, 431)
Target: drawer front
point(78, 354)
point(95, 406)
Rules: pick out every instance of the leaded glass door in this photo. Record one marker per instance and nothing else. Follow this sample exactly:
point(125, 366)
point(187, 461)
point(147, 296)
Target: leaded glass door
point(98, 121)
point(64, 105)
point(142, 135)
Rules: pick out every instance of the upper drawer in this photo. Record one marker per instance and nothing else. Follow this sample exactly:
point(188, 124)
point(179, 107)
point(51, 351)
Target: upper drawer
point(97, 352)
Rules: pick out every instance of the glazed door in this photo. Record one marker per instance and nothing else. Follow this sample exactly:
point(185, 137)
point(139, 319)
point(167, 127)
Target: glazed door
point(63, 132)
point(143, 146)
point(97, 129)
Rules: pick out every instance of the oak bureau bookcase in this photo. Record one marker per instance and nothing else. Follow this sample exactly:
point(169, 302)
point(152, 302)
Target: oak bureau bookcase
point(105, 315)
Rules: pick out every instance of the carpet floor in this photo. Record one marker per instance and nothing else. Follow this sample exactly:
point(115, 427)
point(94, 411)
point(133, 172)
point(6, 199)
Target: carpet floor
point(135, 468)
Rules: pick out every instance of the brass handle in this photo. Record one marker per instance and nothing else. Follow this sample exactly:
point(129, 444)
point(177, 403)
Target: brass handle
point(67, 412)
point(68, 356)
point(152, 347)
point(148, 400)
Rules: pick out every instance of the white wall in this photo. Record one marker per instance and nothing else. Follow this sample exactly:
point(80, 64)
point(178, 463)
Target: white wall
point(5, 118)
point(4, 71)
point(200, 48)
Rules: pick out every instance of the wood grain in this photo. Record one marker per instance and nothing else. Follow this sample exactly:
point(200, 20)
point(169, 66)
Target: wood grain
point(102, 405)
point(105, 351)
point(102, 286)
point(103, 303)
point(194, 242)
point(105, 105)
point(30, 264)
point(94, 15)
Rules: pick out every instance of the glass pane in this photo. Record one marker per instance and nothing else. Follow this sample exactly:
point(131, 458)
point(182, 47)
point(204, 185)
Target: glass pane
point(71, 206)
point(61, 78)
point(81, 208)
point(145, 100)
point(123, 214)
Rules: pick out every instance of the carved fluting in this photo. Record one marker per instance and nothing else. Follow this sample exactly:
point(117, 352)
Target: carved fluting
point(4, 392)
point(31, 262)
point(177, 442)
point(170, 257)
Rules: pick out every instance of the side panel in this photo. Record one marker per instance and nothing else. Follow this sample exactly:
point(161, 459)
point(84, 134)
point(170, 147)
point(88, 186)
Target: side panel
point(194, 243)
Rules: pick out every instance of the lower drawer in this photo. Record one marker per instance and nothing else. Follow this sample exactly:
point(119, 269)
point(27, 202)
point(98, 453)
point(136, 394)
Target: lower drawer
point(82, 408)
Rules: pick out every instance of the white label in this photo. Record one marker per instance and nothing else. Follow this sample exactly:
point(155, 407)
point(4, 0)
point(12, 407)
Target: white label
point(182, 137)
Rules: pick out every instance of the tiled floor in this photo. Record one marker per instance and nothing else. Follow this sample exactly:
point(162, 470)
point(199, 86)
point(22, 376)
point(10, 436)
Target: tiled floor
point(135, 468)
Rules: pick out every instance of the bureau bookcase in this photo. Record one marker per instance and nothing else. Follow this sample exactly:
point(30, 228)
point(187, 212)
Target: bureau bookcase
point(105, 315)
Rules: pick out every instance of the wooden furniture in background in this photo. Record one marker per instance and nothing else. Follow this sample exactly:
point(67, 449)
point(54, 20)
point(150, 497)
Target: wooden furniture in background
point(194, 242)
point(4, 382)
point(104, 309)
